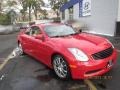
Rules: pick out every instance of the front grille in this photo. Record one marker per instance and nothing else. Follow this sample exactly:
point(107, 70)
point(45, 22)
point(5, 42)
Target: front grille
point(103, 54)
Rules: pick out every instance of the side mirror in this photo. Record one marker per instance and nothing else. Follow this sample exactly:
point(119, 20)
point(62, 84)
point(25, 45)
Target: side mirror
point(23, 27)
point(40, 37)
point(80, 30)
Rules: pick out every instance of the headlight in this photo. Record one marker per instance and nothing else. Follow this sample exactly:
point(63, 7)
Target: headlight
point(79, 55)
point(110, 43)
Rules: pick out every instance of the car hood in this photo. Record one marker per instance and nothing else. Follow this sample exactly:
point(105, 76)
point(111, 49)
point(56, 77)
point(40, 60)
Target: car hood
point(88, 43)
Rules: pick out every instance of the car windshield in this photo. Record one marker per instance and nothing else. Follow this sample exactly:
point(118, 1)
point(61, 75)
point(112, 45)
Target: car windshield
point(59, 30)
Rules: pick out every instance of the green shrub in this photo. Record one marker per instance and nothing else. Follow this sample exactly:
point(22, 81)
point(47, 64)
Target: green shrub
point(5, 19)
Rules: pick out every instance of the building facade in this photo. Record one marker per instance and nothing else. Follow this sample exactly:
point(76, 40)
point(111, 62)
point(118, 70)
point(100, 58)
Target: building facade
point(100, 16)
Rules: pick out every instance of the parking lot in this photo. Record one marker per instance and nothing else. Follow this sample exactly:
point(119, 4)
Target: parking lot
point(22, 72)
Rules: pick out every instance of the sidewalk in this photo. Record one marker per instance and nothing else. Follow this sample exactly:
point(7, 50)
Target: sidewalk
point(6, 29)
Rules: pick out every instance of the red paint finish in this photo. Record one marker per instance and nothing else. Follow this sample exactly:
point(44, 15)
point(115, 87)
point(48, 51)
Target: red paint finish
point(44, 49)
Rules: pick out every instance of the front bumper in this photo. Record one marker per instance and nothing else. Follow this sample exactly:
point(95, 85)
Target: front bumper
point(83, 70)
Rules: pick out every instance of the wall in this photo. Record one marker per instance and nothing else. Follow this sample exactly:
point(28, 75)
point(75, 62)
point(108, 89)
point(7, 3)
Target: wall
point(118, 19)
point(103, 18)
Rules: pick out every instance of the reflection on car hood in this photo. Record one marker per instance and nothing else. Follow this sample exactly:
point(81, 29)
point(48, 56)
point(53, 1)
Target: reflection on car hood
point(88, 43)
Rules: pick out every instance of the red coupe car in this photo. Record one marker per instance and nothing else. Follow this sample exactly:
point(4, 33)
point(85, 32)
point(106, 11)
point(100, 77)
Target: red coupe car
point(67, 52)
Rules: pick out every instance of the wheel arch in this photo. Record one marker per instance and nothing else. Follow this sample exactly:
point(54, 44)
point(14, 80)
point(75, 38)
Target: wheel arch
point(54, 54)
point(18, 41)
point(57, 53)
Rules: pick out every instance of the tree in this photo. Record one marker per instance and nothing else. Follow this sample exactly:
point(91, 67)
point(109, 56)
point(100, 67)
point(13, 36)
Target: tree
point(44, 12)
point(56, 4)
point(11, 3)
point(26, 5)
point(24, 9)
point(5, 19)
point(1, 6)
point(12, 15)
point(23, 12)
point(37, 6)
point(30, 5)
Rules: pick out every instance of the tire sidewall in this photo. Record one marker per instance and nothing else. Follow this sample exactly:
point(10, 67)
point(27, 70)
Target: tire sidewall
point(68, 76)
point(22, 48)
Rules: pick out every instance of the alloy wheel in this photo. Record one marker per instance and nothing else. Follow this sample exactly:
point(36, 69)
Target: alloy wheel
point(20, 48)
point(60, 67)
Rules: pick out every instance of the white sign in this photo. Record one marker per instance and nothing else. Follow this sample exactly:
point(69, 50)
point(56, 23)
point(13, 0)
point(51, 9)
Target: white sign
point(85, 7)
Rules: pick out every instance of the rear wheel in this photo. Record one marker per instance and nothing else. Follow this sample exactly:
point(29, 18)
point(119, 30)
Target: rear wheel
point(20, 49)
point(61, 67)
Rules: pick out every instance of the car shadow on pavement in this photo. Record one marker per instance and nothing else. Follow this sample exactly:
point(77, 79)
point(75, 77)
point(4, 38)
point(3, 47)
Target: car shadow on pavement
point(26, 73)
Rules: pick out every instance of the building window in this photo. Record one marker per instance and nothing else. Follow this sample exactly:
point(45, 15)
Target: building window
point(71, 13)
point(63, 15)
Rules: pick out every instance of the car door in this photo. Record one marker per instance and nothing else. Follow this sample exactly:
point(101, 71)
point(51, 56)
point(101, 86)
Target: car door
point(26, 40)
point(38, 44)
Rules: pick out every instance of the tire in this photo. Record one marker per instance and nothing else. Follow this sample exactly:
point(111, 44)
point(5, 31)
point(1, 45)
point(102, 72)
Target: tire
point(60, 67)
point(21, 51)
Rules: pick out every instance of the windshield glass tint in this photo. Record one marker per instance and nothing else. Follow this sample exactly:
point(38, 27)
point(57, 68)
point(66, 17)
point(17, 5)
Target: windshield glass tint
point(59, 30)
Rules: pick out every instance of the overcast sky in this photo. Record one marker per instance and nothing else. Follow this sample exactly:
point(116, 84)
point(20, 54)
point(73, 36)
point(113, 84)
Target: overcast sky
point(46, 1)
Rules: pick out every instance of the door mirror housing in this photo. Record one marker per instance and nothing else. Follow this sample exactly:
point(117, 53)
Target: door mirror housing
point(23, 27)
point(40, 37)
point(80, 30)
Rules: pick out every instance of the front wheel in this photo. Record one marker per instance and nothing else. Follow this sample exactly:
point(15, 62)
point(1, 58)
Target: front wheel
point(61, 67)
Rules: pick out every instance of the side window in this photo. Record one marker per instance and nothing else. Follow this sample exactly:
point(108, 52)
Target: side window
point(28, 31)
point(35, 31)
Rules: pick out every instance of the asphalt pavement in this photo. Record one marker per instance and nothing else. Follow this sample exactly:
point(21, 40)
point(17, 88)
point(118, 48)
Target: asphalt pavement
point(8, 29)
point(26, 73)
point(7, 44)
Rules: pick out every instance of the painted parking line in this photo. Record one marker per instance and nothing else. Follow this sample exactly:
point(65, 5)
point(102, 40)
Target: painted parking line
point(10, 56)
point(13, 54)
point(90, 84)
point(5, 62)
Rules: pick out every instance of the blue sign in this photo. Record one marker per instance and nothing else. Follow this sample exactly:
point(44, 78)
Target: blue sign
point(69, 4)
point(84, 8)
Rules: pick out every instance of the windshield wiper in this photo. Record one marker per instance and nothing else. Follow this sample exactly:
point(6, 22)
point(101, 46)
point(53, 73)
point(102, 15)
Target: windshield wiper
point(57, 36)
point(65, 35)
